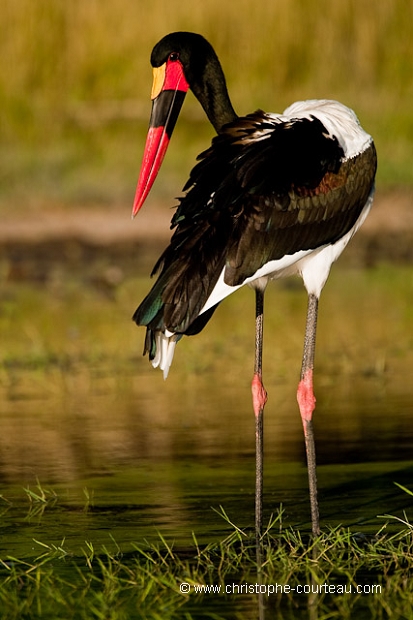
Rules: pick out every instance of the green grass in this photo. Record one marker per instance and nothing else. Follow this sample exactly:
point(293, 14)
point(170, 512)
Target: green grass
point(75, 82)
point(342, 574)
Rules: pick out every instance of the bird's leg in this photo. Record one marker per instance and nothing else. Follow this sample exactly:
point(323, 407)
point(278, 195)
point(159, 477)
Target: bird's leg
point(259, 398)
point(306, 403)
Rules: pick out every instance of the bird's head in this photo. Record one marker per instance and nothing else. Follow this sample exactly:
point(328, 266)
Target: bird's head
point(181, 60)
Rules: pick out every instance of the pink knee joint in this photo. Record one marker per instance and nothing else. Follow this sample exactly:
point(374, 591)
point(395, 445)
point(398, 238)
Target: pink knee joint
point(305, 396)
point(259, 394)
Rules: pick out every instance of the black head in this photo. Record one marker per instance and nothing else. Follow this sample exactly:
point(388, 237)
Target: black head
point(202, 71)
point(193, 50)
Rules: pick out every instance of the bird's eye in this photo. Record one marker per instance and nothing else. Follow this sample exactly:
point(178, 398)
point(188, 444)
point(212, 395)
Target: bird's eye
point(174, 56)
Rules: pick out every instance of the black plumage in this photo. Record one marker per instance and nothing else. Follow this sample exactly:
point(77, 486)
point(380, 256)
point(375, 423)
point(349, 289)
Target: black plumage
point(265, 188)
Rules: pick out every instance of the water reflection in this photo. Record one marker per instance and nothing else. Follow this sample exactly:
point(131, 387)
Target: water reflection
point(87, 432)
point(155, 452)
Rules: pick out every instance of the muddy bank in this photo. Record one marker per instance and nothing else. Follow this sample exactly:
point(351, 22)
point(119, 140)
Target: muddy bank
point(105, 244)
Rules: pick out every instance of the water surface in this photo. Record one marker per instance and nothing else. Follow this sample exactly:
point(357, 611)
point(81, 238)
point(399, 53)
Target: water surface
point(124, 455)
point(104, 419)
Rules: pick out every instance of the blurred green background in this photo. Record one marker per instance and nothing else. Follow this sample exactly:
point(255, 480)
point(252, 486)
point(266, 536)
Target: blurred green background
point(75, 81)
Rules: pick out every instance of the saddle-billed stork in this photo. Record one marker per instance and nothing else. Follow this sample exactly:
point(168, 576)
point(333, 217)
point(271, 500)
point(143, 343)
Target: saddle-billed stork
point(274, 195)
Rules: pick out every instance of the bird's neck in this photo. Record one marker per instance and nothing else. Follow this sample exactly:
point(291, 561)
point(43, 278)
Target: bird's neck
point(213, 95)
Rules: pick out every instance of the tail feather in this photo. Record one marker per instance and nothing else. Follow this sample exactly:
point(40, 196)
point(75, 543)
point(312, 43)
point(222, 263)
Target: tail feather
point(164, 351)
